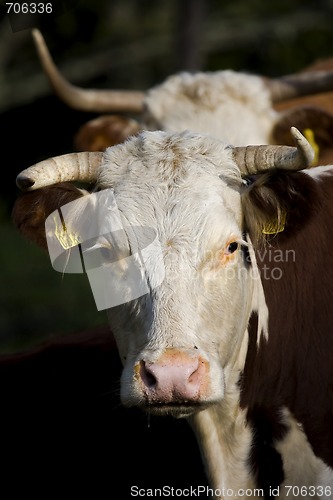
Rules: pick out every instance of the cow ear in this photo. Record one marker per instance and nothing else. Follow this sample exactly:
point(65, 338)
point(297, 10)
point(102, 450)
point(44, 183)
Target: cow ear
point(104, 131)
point(31, 209)
point(277, 204)
point(309, 120)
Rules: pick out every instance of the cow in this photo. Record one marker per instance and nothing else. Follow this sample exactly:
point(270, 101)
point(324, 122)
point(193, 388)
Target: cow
point(234, 335)
point(255, 107)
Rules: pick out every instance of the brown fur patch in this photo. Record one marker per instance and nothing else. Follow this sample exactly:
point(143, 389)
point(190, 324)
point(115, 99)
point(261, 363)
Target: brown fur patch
point(32, 209)
point(319, 120)
point(104, 131)
point(294, 367)
point(274, 195)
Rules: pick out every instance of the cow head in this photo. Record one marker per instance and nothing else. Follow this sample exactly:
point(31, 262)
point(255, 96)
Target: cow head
point(183, 343)
point(203, 102)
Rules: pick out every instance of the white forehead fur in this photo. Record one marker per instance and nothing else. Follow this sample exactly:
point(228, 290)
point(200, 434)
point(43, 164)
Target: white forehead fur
point(161, 177)
point(234, 107)
point(164, 157)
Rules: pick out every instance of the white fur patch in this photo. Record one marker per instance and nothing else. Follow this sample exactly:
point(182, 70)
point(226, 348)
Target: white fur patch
point(234, 107)
point(319, 173)
point(301, 467)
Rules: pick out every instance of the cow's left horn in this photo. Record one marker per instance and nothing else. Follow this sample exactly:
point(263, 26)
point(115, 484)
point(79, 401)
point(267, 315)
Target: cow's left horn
point(256, 159)
point(96, 100)
point(74, 166)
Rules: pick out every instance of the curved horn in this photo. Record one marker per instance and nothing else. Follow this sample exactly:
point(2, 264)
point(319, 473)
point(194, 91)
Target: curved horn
point(309, 83)
point(98, 101)
point(74, 166)
point(256, 159)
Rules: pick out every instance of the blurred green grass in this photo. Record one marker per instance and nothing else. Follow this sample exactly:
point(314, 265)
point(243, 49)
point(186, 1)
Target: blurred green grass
point(36, 302)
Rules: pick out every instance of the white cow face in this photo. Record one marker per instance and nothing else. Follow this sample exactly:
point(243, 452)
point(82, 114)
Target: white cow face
point(167, 254)
point(180, 341)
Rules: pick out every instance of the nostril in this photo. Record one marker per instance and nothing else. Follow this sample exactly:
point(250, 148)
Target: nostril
point(197, 374)
point(147, 376)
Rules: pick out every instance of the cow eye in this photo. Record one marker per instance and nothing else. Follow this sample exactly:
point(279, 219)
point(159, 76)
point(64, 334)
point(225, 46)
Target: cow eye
point(232, 247)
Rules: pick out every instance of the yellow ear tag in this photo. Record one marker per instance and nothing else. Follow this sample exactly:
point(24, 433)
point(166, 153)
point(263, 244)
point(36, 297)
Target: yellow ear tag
point(66, 239)
point(276, 226)
point(309, 135)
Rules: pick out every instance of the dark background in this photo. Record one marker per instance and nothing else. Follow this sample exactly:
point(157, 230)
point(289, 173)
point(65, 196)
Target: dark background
point(131, 44)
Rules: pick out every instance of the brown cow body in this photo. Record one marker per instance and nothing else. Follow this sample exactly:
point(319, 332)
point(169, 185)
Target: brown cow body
point(293, 371)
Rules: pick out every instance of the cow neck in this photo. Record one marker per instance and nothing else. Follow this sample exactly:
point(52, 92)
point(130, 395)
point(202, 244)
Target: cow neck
point(222, 431)
point(225, 442)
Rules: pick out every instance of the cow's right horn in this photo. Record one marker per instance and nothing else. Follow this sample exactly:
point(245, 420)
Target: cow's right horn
point(256, 159)
point(82, 167)
point(299, 84)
